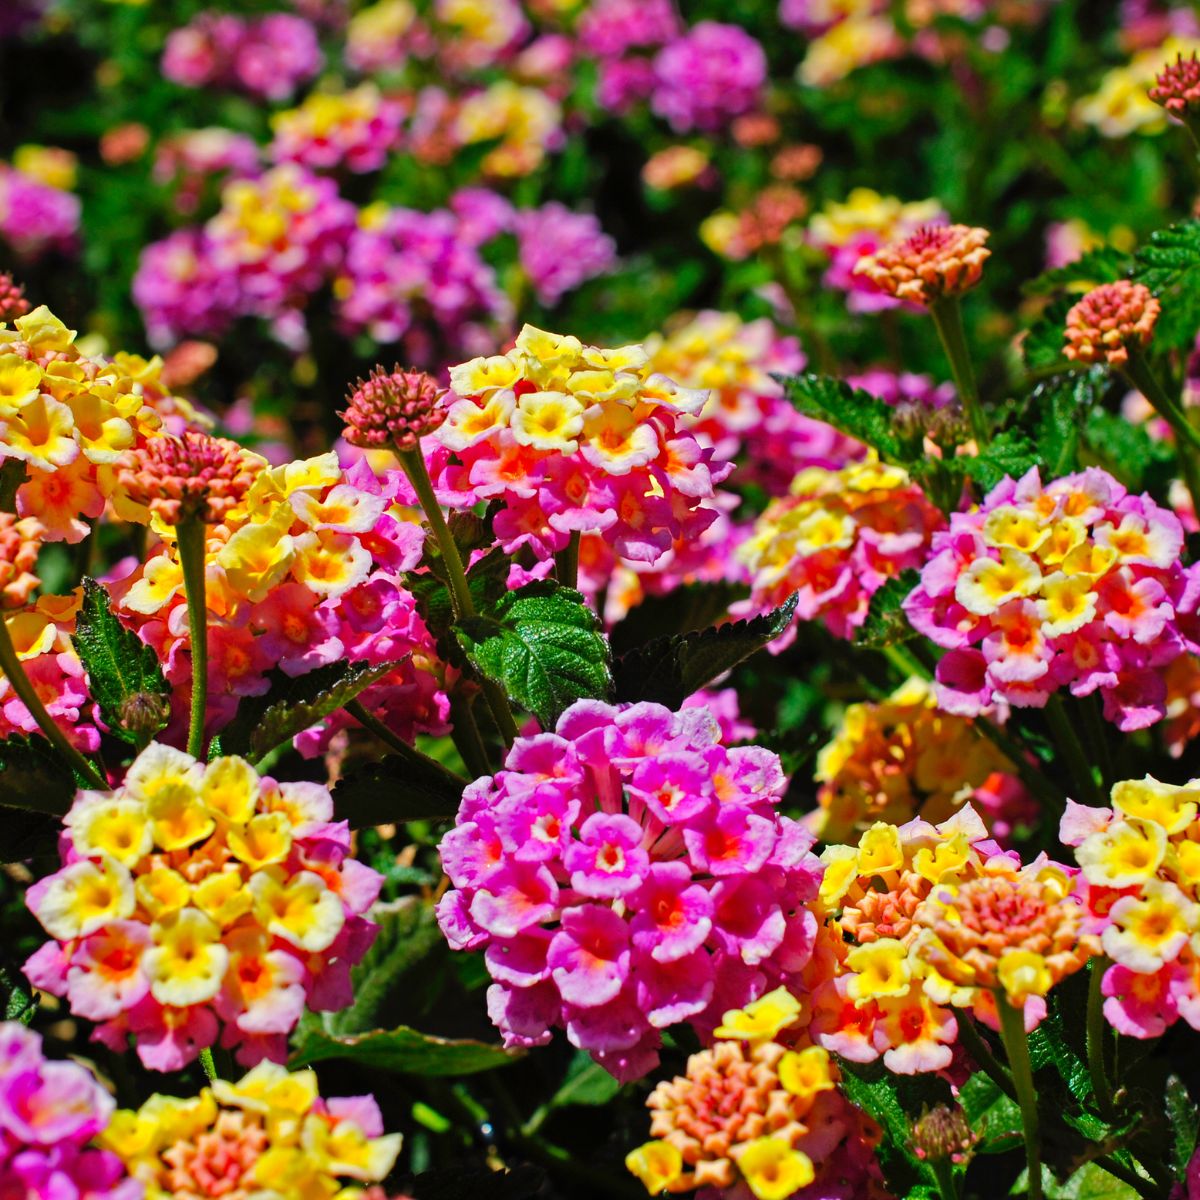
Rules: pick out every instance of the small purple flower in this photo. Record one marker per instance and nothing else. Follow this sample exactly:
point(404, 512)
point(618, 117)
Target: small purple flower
point(609, 860)
point(713, 73)
point(589, 956)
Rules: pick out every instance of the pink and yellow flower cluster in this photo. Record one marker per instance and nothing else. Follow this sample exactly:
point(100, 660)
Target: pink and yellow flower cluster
point(759, 1111)
point(198, 900)
point(357, 128)
point(269, 1134)
point(836, 540)
point(1074, 584)
point(49, 1113)
point(1140, 869)
point(625, 873)
point(575, 438)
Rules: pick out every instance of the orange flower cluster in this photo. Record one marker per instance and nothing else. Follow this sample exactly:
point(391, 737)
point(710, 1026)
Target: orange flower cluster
point(936, 261)
point(1110, 321)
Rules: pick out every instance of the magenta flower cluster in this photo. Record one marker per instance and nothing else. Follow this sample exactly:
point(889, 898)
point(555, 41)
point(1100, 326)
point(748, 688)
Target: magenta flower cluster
point(1076, 584)
point(34, 217)
point(49, 1111)
point(626, 873)
point(268, 56)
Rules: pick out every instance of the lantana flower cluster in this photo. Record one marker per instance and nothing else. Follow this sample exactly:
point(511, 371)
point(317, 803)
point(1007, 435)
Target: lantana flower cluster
point(836, 540)
point(625, 873)
point(49, 1113)
point(1073, 584)
point(70, 418)
point(1140, 866)
point(199, 900)
point(883, 985)
point(575, 438)
point(269, 1134)
point(304, 572)
point(761, 1110)
point(35, 216)
point(895, 759)
point(357, 129)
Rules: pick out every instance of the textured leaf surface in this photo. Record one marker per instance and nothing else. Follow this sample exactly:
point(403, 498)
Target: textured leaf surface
point(1104, 264)
point(885, 623)
point(405, 1050)
point(1169, 265)
point(1185, 1123)
point(855, 412)
point(544, 647)
point(119, 664)
point(669, 670)
point(33, 776)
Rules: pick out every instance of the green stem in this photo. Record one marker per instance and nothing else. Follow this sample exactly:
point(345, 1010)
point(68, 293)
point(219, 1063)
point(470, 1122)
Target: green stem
point(10, 667)
point(369, 721)
point(566, 563)
point(1098, 740)
point(466, 737)
point(1045, 789)
point(1187, 439)
point(905, 662)
point(977, 1048)
point(1071, 748)
point(1096, 1027)
point(413, 462)
point(190, 542)
point(942, 1170)
point(947, 320)
point(206, 1061)
point(1016, 1046)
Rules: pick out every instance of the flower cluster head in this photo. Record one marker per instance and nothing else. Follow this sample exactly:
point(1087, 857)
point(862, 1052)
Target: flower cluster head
point(578, 438)
point(198, 899)
point(304, 571)
point(877, 988)
point(267, 56)
point(35, 216)
point(71, 418)
point(747, 418)
point(357, 128)
point(559, 249)
point(707, 76)
point(1073, 584)
point(268, 1134)
point(761, 1110)
point(836, 540)
point(1110, 321)
point(12, 298)
point(525, 121)
point(189, 161)
point(863, 223)
point(895, 759)
point(1177, 87)
point(625, 873)
point(1125, 102)
point(935, 262)
point(393, 408)
point(1140, 867)
point(49, 1112)
point(195, 477)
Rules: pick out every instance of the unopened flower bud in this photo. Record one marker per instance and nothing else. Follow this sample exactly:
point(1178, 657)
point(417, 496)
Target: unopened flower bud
point(943, 1132)
point(144, 713)
point(1110, 321)
point(12, 298)
point(393, 408)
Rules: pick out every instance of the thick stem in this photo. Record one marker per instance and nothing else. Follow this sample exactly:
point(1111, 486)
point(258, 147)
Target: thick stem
point(947, 320)
point(905, 662)
point(398, 745)
point(977, 1048)
point(566, 563)
point(190, 542)
point(467, 740)
point(1016, 1046)
point(413, 462)
point(1096, 1027)
point(10, 667)
point(942, 1170)
point(1071, 748)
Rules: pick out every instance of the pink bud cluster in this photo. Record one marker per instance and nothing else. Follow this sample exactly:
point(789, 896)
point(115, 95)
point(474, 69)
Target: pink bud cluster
point(267, 56)
point(199, 899)
point(12, 298)
point(193, 477)
point(625, 873)
point(576, 438)
point(49, 1111)
point(393, 409)
point(1076, 584)
point(1177, 87)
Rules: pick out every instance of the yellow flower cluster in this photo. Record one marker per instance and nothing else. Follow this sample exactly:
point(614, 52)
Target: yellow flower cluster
point(524, 119)
point(1121, 105)
point(266, 1137)
point(899, 758)
point(867, 211)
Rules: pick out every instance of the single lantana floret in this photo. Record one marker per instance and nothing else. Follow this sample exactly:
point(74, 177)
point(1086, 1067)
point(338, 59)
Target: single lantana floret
point(199, 899)
point(760, 1111)
point(268, 1134)
point(626, 873)
point(50, 1112)
point(1110, 322)
point(935, 262)
point(393, 408)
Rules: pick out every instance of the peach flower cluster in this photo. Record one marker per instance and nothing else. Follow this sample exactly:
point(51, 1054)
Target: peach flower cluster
point(936, 261)
point(1111, 321)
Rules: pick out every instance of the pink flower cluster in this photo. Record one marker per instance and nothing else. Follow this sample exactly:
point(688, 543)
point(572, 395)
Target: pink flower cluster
point(559, 249)
point(49, 1111)
point(357, 129)
point(35, 217)
point(189, 161)
point(199, 899)
point(268, 56)
point(713, 73)
point(1074, 584)
point(576, 438)
point(625, 873)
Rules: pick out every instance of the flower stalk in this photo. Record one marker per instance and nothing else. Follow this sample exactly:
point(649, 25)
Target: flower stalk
point(190, 542)
point(947, 320)
point(1016, 1046)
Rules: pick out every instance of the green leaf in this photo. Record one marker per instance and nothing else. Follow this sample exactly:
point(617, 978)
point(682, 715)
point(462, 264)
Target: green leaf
point(124, 675)
point(395, 789)
point(1128, 451)
point(856, 413)
point(1042, 346)
point(20, 1004)
point(543, 645)
point(1008, 453)
point(992, 1115)
point(668, 670)
point(1090, 1182)
point(1185, 1123)
point(407, 1051)
point(1169, 265)
point(34, 777)
point(1058, 409)
point(1105, 264)
point(885, 623)
point(684, 609)
point(293, 705)
point(586, 1082)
